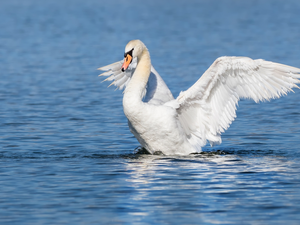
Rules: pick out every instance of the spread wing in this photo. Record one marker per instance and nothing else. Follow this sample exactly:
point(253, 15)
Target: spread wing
point(208, 107)
point(156, 92)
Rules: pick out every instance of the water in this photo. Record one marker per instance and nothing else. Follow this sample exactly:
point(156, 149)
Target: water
point(66, 154)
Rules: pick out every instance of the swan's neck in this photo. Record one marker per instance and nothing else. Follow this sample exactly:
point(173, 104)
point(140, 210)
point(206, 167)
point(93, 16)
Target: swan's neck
point(132, 100)
point(136, 87)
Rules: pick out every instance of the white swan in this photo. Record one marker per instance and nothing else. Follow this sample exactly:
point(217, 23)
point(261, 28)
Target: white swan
point(183, 125)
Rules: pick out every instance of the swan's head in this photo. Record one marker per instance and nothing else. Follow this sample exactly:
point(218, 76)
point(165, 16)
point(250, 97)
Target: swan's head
point(133, 49)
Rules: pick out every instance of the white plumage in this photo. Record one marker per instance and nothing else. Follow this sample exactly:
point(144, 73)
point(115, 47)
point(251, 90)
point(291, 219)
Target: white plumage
point(204, 111)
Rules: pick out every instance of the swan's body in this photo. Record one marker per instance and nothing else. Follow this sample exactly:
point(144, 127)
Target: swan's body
point(183, 125)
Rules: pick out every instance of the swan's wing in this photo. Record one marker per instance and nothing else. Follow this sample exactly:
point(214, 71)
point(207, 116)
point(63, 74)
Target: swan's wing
point(157, 92)
point(119, 78)
point(208, 107)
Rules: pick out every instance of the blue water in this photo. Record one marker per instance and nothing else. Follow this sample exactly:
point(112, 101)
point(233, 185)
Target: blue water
point(66, 153)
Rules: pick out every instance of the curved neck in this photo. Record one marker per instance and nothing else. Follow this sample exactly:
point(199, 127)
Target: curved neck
point(140, 77)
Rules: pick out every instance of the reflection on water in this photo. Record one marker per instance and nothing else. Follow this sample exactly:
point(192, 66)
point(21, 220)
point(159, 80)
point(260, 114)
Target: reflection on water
point(66, 153)
point(210, 185)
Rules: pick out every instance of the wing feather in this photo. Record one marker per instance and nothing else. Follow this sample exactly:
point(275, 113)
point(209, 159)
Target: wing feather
point(212, 100)
point(116, 75)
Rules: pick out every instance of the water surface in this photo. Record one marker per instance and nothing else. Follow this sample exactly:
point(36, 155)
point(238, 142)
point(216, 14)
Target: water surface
point(66, 153)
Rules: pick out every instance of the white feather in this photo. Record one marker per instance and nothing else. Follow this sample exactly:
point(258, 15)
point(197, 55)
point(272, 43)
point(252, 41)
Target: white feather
point(223, 84)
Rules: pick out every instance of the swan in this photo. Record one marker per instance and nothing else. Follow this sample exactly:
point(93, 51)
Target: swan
point(203, 112)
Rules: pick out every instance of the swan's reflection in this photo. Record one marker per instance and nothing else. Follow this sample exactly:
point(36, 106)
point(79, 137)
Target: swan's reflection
point(201, 183)
point(173, 183)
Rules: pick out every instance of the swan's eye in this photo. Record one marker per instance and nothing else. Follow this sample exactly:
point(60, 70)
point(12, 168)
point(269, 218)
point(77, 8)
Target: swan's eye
point(128, 53)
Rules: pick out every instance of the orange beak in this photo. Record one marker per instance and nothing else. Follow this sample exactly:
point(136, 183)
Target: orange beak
point(127, 61)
